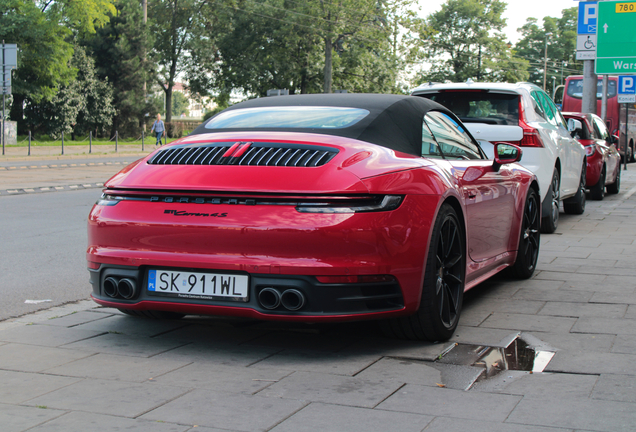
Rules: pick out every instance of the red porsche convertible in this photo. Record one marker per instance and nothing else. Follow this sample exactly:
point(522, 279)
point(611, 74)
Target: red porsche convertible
point(316, 208)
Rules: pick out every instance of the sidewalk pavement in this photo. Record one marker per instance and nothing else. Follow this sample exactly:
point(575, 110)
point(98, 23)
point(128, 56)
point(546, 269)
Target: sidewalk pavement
point(82, 367)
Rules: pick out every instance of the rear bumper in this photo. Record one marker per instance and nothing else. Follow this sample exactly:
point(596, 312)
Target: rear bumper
point(322, 302)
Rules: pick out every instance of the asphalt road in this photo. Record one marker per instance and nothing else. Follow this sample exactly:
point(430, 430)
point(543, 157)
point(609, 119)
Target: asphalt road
point(43, 234)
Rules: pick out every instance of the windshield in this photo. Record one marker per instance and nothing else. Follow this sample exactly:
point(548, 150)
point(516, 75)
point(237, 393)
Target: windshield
point(481, 106)
point(292, 117)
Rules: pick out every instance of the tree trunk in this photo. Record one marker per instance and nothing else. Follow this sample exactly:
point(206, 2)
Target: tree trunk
point(328, 65)
point(168, 104)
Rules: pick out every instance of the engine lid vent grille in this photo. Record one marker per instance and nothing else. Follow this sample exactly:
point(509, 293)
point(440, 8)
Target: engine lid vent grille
point(245, 153)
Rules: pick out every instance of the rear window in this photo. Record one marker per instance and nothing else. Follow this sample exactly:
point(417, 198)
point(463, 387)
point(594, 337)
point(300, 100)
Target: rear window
point(292, 117)
point(480, 106)
point(575, 88)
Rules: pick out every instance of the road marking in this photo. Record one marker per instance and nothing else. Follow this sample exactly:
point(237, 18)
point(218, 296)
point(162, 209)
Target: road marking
point(631, 192)
point(59, 187)
point(29, 190)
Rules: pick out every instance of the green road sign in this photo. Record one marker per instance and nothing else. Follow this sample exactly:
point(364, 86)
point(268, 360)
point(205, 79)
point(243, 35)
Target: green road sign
point(616, 38)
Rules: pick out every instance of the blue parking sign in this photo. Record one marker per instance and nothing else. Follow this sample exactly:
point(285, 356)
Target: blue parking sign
point(626, 88)
point(588, 17)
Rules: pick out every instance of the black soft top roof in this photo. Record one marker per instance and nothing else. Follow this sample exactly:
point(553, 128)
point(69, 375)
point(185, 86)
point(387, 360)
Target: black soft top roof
point(394, 121)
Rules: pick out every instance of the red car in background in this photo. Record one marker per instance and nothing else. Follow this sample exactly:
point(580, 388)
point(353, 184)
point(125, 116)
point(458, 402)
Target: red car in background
point(316, 208)
point(603, 159)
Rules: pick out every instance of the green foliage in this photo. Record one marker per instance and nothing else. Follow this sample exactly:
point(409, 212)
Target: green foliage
point(83, 15)
point(119, 49)
point(43, 62)
point(180, 104)
point(82, 105)
point(464, 40)
point(561, 46)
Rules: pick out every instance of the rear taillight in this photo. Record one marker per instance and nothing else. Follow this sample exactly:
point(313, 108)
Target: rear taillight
point(531, 136)
point(589, 149)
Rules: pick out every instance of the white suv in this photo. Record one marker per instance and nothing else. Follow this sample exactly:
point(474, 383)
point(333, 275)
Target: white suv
point(525, 115)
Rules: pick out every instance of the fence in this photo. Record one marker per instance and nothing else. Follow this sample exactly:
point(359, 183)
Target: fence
point(28, 144)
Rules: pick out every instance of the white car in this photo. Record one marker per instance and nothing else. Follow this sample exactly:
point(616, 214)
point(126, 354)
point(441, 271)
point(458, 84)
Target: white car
point(524, 115)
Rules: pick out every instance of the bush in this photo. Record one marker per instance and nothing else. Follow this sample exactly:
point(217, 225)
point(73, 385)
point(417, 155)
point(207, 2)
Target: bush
point(174, 130)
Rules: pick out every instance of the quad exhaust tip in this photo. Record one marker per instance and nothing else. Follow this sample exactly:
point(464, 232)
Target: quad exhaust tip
point(291, 299)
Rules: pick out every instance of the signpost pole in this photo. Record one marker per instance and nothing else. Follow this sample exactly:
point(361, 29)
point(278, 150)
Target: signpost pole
point(626, 137)
point(588, 104)
point(3, 87)
point(604, 100)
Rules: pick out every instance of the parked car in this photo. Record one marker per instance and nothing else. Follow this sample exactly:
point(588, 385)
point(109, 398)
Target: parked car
point(316, 208)
point(603, 159)
point(524, 115)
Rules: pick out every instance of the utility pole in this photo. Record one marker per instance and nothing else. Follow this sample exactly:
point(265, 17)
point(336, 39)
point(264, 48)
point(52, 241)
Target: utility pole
point(545, 60)
point(479, 65)
point(590, 84)
point(144, 5)
point(604, 100)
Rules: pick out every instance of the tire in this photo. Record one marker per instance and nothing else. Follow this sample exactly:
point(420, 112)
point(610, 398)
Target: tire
point(576, 204)
point(615, 187)
point(444, 281)
point(152, 314)
point(529, 238)
point(597, 192)
point(549, 223)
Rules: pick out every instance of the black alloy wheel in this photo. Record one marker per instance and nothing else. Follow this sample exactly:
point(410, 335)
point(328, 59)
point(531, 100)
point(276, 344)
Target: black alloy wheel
point(597, 192)
point(576, 204)
point(549, 223)
point(615, 187)
point(528, 250)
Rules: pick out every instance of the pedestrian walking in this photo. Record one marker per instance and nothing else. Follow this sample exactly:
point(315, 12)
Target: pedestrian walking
point(159, 129)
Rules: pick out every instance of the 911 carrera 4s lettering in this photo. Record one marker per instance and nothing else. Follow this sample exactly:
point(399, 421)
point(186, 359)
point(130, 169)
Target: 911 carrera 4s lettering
point(185, 213)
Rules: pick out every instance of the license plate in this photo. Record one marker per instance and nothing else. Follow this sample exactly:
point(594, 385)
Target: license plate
point(193, 285)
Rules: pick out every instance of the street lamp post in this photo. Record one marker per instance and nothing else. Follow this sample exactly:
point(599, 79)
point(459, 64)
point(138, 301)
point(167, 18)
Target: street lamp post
point(545, 60)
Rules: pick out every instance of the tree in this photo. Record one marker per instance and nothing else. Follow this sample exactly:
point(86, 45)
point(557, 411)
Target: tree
point(84, 104)
point(561, 46)
point(119, 49)
point(464, 40)
point(83, 16)
point(183, 29)
point(44, 54)
point(180, 103)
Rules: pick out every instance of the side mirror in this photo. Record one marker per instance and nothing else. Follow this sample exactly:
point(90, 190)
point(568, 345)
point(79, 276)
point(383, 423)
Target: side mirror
point(506, 153)
point(574, 125)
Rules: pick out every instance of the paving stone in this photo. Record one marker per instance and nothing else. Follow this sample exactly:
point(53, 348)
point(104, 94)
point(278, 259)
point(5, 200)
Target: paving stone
point(615, 298)
point(569, 277)
point(592, 363)
point(624, 284)
point(43, 335)
point(631, 312)
point(593, 415)
point(335, 418)
point(451, 403)
point(114, 367)
point(340, 390)
point(557, 268)
point(121, 344)
point(579, 342)
point(305, 341)
point(341, 363)
point(554, 295)
point(473, 316)
point(480, 335)
point(21, 386)
point(402, 371)
point(447, 424)
point(625, 344)
point(576, 262)
point(529, 322)
point(98, 396)
point(557, 385)
point(400, 349)
point(217, 333)
point(83, 422)
point(507, 306)
point(225, 411)
point(567, 309)
point(14, 418)
point(218, 353)
point(74, 319)
point(222, 378)
point(605, 325)
point(131, 326)
point(616, 388)
point(31, 358)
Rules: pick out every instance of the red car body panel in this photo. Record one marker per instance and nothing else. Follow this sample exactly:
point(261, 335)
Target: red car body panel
point(257, 239)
